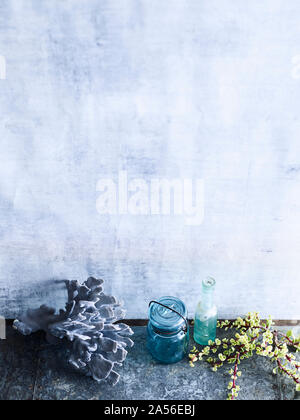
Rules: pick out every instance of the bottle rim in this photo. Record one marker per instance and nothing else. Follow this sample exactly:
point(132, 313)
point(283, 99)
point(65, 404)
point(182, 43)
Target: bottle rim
point(209, 283)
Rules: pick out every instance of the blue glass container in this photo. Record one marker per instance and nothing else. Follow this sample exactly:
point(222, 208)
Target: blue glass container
point(206, 314)
point(168, 330)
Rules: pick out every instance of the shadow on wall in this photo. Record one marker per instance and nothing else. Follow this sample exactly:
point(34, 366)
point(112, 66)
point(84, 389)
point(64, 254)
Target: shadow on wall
point(51, 292)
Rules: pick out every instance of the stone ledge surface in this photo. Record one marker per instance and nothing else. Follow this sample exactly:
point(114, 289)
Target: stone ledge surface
point(32, 369)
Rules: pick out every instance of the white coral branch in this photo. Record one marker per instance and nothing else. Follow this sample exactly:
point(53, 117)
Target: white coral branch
point(88, 322)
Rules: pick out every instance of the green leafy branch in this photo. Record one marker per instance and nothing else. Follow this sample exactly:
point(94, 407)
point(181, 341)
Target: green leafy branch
point(253, 336)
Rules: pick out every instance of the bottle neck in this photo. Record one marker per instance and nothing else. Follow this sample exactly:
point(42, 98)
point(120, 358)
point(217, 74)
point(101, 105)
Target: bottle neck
point(208, 298)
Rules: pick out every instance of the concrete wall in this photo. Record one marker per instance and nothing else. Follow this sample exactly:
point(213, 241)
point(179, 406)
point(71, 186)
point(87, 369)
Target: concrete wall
point(199, 89)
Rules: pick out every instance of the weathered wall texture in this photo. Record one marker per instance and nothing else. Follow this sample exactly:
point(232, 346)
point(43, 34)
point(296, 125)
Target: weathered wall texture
point(202, 89)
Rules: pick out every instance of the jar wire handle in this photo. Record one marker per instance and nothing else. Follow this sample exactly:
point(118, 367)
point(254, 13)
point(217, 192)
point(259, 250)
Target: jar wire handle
point(171, 309)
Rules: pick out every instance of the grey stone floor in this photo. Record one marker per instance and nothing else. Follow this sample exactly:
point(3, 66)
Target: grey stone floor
point(31, 369)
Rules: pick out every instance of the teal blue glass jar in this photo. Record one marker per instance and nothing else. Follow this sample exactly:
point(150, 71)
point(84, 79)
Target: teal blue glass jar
point(168, 330)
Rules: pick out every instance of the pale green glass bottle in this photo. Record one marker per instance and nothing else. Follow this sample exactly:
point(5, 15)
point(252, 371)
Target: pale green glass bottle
point(206, 314)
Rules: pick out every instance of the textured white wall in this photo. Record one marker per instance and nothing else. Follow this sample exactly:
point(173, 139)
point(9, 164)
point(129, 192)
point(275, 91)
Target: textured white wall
point(204, 89)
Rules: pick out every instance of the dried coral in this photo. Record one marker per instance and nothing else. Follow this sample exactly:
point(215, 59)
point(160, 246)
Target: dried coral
point(98, 344)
